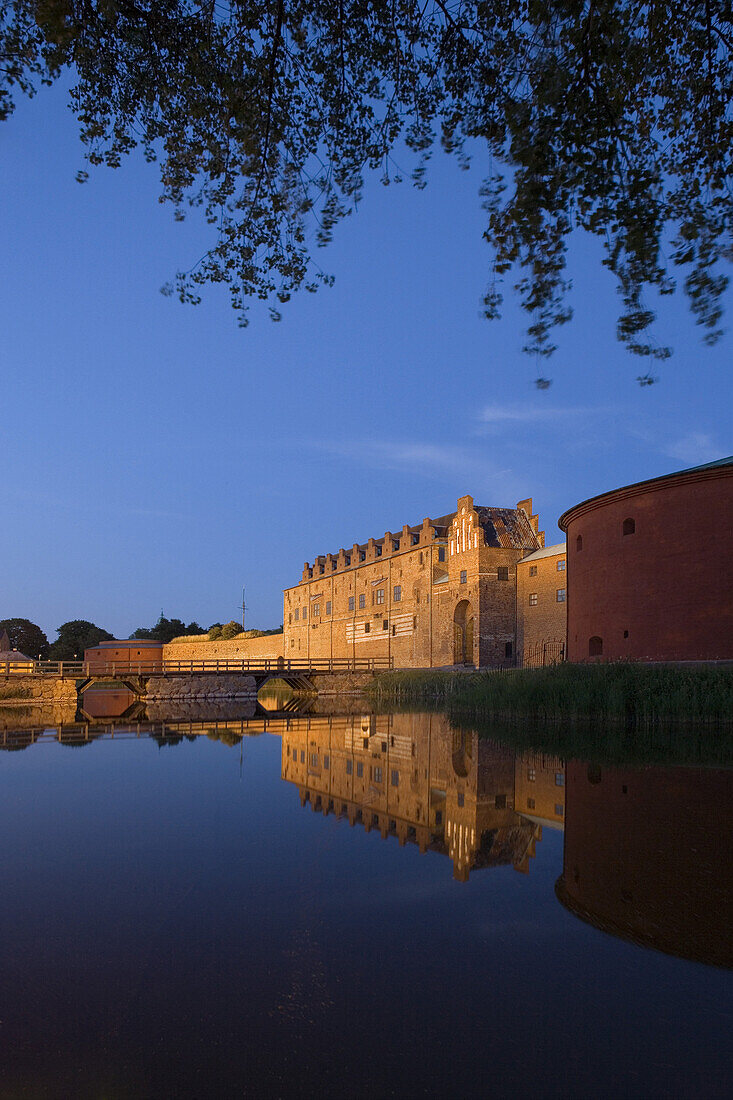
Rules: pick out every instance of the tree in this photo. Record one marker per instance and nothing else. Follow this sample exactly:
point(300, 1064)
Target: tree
point(165, 630)
point(26, 637)
point(76, 636)
point(607, 115)
point(230, 630)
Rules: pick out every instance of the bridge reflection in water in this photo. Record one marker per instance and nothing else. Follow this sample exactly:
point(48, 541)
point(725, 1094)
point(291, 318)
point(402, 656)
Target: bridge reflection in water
point(646, 851)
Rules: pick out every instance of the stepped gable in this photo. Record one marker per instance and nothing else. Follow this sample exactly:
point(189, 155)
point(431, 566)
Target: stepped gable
point(504, 528)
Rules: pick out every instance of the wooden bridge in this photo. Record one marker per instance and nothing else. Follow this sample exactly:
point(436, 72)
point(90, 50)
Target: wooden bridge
point(302, 675)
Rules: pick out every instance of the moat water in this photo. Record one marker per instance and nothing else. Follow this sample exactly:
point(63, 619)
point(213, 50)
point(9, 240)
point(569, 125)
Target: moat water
point(214, 904)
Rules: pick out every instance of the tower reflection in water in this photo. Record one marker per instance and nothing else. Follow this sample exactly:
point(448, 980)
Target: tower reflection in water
point(412, 777)
point(647, 856)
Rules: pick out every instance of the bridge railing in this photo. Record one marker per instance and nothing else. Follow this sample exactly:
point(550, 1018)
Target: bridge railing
point(113, 669)
point(72, 669)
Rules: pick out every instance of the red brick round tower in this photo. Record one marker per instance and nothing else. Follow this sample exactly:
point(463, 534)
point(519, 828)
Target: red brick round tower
point(648, 569)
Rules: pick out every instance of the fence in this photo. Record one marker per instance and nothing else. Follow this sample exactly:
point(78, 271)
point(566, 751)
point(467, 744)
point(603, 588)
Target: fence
point(82, 669)
point(542, 655)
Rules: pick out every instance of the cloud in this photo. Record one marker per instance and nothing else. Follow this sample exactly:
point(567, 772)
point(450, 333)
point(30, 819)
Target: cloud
point(693, 448)
point(454, 464)
point(526, 414)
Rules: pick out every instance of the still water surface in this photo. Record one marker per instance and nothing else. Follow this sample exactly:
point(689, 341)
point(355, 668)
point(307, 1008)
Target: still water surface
point(363, 905)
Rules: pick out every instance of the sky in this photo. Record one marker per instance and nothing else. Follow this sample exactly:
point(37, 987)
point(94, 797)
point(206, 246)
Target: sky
point(156, 457)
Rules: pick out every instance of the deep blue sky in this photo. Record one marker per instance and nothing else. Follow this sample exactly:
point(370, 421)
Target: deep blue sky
point(157, 456)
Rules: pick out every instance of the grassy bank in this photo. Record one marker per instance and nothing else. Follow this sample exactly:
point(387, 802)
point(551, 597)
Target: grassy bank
point(623, 692)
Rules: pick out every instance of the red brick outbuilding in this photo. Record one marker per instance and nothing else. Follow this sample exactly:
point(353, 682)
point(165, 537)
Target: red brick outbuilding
point(649, 572)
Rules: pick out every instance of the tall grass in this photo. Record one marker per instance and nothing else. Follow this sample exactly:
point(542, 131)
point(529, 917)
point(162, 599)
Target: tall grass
point(613, 713)
point(623, 691)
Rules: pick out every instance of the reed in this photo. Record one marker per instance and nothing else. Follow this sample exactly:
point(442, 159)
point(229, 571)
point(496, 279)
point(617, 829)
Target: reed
point(620, 691)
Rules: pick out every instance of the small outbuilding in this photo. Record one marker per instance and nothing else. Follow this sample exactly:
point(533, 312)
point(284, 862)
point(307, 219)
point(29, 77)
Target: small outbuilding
point(10, 656)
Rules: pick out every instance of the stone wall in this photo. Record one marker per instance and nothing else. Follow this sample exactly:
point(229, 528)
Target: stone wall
point(206, 686)
point(199, 648)
point(40, 690)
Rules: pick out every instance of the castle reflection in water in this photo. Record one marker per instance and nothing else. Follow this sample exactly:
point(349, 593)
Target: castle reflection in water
point(646, 851)
point(413, 778)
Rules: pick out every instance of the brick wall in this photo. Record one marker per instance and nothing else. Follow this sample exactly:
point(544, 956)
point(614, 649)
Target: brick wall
point(541, 617)
point(428, 596)
point(198, 648)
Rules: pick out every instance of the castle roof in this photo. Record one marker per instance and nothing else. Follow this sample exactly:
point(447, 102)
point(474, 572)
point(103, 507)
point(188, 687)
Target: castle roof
point(508, 528)
point(504, 528)
point(547, 552)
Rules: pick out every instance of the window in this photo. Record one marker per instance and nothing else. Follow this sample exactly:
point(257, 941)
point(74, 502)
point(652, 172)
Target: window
point(384, 746)
point(561, 566)
point(380, 595)
point(290, 617)
point(377, 773)
point(394, 777)
point(365, 742)
point(302, 756)
point(533, 570)
point(559, 809)
point(530, 803)
point(463, 576)
point(395, 545)
point(305, 613)
point(367, 628)
point(378, 551)
point(316, 609)
point(314, 759)
point(441, 553)
point(397, 593)
point(326, 761)
point(531, 775)
point(502, 573)
point(292, 643)
point(362, 599)
point(385, 624)
point(328, 607)
point(349, 767)
point(508, 649)
point(352, 603)
point(579, 542)
point(533, 599)
point(297, 614)
point(629, 527)
point(295, 754)
point(359, 770)
point(438, 817)
point(559, 779)
point(595, 646)
point(461, 799)
point(560, 595)
point(394, 630)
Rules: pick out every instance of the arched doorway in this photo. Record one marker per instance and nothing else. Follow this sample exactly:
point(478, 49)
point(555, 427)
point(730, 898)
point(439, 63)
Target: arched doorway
point(462, 753)
point(463, 634)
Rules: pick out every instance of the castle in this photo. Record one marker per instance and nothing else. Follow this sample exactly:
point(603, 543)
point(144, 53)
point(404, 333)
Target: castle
point(440, 593)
